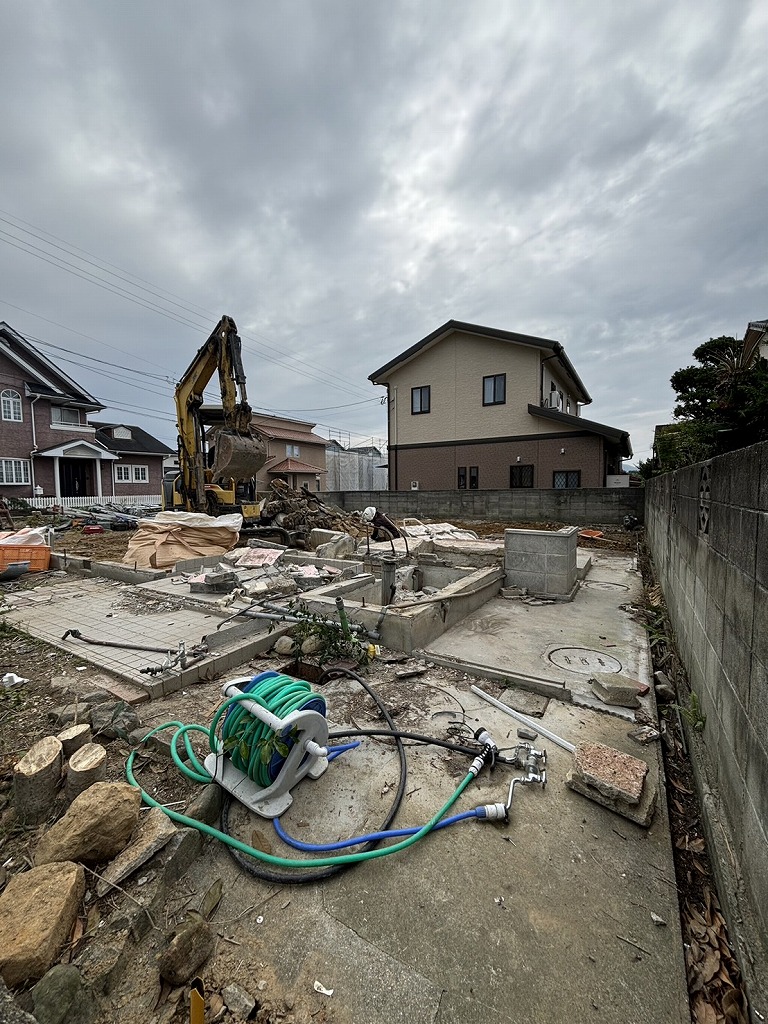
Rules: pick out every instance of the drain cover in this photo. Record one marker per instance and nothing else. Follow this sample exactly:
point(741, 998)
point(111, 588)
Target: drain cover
point(581, 659)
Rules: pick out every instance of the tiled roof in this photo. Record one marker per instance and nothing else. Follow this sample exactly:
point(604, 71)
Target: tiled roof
point(294, 466)
point(284, 433)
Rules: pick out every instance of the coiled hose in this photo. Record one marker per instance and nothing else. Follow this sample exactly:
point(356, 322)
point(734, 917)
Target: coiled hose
point(242, 731)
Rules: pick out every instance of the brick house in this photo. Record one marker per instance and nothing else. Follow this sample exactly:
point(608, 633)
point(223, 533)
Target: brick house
point(295, 454)
point(141, 459)
point(479, 408)
point(47, 445)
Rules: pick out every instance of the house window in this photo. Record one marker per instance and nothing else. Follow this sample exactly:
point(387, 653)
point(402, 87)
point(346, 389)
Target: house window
point(292, 451)
point(14, 471)
point(420, 399)
point(474, 476)
point(131, 474)
point(521, 476)
point(564, 478)
point(60, 414)
point(495, 389)
point(462, 478)
point(11, 403)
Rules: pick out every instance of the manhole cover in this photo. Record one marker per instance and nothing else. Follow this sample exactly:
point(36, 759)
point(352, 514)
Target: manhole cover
point(581, 659)
point(605, 585)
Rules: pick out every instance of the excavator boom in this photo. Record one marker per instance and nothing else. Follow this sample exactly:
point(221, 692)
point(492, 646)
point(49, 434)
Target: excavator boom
point(239, 453)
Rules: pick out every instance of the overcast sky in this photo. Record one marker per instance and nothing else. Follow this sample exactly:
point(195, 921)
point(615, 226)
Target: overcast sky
point(342, 177)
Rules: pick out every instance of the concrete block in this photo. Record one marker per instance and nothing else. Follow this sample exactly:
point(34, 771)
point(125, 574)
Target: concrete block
point(641, 813)
point(526, 561)
point(615, 689)
point(534, 582)
point(736, 660)
point(760, 624)
point(557, 583)
point(761, 554)
point(744, 469)
point(615, 775)
point(740, 601)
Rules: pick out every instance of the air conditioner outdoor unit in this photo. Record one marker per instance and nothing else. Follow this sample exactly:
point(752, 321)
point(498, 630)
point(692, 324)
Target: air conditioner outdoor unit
point(414, 485)
point(554, 400)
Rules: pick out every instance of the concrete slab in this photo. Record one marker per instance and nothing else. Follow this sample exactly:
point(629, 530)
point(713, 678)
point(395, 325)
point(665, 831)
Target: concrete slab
point(546, 919)
point(560, 644)
point(112, 611)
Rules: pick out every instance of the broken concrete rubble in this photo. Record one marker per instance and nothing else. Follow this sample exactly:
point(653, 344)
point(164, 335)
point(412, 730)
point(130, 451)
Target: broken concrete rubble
point(189, 947)
point(615, 689)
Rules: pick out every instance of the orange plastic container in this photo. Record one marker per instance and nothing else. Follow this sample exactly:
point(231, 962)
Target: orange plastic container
point(38, 555)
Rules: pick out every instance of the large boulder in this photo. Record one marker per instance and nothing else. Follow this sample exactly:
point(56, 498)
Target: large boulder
point(37, 911)
point(96, 827)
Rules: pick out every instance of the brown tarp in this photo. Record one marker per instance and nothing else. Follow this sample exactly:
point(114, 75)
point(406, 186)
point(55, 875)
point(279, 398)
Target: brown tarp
point(173, 536)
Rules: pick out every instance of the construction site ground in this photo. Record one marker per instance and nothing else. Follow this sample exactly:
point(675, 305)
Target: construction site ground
point(569, 912)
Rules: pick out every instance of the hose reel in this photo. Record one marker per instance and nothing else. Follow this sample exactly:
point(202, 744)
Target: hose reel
point(273, 735)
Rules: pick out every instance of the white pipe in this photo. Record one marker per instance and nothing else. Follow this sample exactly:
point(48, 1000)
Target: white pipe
point(232, 690)
point(525, 721)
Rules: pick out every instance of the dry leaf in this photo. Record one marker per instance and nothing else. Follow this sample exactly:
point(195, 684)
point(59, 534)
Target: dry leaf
point(697, 845)
point(711, 965)
point(260, 842)
point(211, 899)
point(734, 1007)
point(703, 1011)
point(680, 787)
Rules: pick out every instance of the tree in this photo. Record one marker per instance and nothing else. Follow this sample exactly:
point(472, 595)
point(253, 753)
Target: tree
point(723, 399)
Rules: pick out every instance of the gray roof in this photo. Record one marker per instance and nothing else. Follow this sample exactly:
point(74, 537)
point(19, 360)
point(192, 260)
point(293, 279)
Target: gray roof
point(140, 442)
point(613, 435)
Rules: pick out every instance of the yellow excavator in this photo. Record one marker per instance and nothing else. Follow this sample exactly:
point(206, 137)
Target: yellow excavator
point(219, 451)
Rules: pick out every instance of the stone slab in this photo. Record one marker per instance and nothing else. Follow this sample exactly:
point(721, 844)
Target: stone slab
point(616, 775)
point(615, 689)
point(641, 813)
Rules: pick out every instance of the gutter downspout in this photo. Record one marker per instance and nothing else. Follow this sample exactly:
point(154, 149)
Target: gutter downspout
point(34, 443)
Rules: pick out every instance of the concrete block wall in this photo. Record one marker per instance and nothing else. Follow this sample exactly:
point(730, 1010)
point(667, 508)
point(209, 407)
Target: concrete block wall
point(579, 506)
point(543, 562)
point(707, 529)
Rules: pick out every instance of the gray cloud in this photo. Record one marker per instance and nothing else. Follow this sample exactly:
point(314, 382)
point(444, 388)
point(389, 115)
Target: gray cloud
point(343, 177)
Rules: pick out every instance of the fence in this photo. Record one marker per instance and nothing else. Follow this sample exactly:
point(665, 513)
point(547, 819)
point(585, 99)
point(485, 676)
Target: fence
point(124, 501)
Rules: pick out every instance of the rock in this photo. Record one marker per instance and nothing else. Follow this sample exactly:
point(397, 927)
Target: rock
point(340, 547)
point(179, 852)
point(37, 911)
point(665, 694)
point(66, 714)
point(190, 946)
point(615, 775)
point(205, 805)
point(113, 719)
point(61, 998)
point(283, 645)
point(615, 689)
point(524, 733)
point(96, 827)
point(238, 1000)
point(154, 830)
point(312, 645)
point(10, 1011)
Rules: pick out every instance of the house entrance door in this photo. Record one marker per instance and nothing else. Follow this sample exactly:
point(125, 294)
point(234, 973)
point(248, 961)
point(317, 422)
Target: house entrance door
point(74, 478)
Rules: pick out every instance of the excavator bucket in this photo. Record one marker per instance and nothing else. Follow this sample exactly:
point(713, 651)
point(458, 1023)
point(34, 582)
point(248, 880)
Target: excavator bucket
point(239, 456)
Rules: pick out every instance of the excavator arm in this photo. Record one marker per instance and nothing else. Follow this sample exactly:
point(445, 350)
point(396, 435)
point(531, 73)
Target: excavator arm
point(239, 453)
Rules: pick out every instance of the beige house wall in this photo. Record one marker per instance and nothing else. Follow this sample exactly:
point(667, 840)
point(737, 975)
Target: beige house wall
point(454, 368)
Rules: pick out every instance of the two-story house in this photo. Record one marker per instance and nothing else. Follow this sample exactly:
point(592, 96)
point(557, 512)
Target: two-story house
point(294, 453)
point(47, 445)
point(479, 408)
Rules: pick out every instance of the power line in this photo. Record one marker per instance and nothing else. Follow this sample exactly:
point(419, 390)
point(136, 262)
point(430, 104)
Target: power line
point(102, 266)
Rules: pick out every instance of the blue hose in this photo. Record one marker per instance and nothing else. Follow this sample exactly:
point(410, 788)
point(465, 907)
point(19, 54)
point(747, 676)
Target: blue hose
point(396, 833)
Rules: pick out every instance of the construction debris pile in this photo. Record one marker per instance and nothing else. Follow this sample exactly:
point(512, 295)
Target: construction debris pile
point(304, 511)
